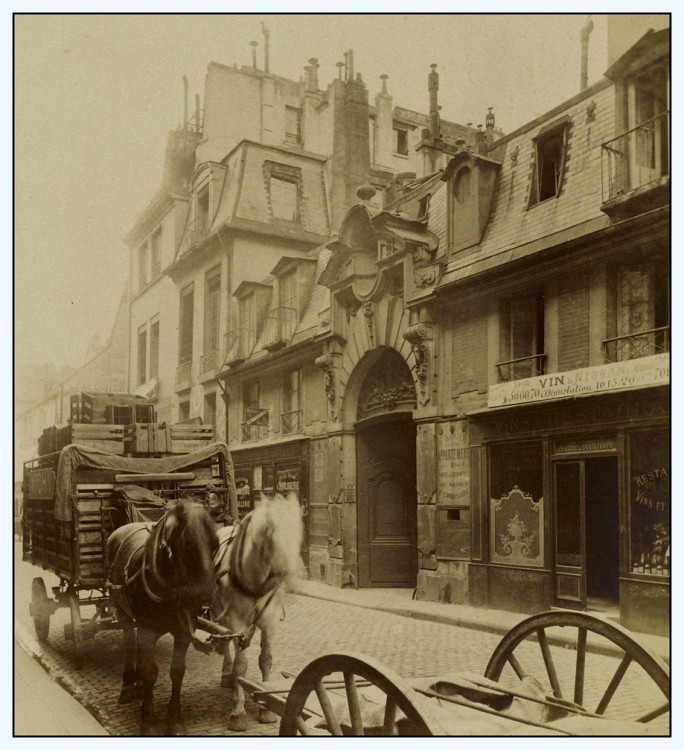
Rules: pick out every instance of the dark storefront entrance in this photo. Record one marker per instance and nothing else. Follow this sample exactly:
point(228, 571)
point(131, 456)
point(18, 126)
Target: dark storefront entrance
point(586, 532)
point(386, 464)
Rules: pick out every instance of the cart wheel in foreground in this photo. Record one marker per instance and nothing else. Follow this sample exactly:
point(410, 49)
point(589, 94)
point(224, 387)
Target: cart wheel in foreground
point(588, 669)
point(40, 609)
point(348, 694)
point(76, 630)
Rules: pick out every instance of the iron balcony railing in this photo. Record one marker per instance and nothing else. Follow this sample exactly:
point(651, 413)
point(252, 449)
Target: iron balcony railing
point(524, 367)
point(183, 371)
point(279, 327)
point(636, 345)
point(291, 422)
point(238, 344)
point(636, 158)
point(196, 231)
point(209, 361)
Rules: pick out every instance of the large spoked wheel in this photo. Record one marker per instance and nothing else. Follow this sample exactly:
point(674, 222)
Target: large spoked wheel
point(599, 666)
point(346, 694)
point(76, 630)
point(39, 609)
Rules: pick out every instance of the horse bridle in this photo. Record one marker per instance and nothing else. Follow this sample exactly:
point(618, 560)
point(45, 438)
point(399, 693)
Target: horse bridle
point(234, 571)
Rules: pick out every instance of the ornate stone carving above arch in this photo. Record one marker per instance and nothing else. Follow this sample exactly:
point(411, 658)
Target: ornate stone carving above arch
point(388, 387)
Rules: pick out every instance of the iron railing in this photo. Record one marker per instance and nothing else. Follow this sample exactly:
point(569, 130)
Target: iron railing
point(524, 367)
point(636, 158)
point(238, 344)
point(279, 326)
point(209, 361)
point(183, 371)
point(291, 422)
point(636, 345)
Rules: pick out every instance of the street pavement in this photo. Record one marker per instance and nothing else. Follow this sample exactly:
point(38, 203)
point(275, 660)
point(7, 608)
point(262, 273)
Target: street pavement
point(434, 639)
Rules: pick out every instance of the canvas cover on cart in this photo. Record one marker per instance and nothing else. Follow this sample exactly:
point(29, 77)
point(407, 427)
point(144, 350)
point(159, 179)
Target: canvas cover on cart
point(76, 456)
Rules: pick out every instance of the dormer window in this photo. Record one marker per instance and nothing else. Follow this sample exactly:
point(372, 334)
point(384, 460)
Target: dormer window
point(284, 189)
point(401, 141)
point(549, 160)
point(202, 214)
point(424, 207)
point(462, 186)
point(385, 248)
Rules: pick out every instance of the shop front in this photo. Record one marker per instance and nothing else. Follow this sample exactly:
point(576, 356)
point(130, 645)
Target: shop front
point(573, 507)
point(279, 468)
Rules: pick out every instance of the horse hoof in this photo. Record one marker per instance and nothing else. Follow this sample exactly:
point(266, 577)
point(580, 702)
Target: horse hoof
point(238, 722)
point(267, 717)
point(175, 729)
point(150, 730)
point(128, 694)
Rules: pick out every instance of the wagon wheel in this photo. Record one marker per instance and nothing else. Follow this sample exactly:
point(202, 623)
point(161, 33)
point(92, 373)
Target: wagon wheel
point(40, 609)
point(538, 662)
point(76, 630)
point(348, 694)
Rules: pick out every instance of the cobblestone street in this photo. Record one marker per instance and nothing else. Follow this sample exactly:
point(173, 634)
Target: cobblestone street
point(312, 627)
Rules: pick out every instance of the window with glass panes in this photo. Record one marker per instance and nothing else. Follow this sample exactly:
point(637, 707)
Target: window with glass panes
point(142, 354)
point(212, 296)
point(187, 302)
point(154, 349)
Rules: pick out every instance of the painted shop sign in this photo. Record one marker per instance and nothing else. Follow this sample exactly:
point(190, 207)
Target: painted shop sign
point(586, 446)
point(634, 373)
point(453, 465)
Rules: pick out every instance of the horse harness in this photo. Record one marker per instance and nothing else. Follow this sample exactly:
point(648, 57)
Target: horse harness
point(229, 563)
point(144, 563)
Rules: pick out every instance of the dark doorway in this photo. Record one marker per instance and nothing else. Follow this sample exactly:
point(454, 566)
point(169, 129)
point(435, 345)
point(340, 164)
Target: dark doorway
point(386, 470)
point(602, 529)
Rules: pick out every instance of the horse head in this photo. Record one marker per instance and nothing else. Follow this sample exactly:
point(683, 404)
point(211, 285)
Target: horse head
point(277, 531)
point(187, 540)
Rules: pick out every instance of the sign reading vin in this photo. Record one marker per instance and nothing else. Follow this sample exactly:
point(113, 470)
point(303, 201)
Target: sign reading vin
point(633, 373)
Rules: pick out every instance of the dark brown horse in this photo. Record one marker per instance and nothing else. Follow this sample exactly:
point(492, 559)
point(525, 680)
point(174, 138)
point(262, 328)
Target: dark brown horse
point(160, 575)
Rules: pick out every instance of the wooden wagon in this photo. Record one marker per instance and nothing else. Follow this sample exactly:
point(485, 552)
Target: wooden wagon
point(72, 501)
point(556, 673)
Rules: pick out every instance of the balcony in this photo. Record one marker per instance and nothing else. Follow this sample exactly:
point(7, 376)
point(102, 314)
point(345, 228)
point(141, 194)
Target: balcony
point(636, 345)
point(238, 345)
point(517, 369)
point(279, 327)
point(183, 372)
point(196, 231)
point(291, 422)
point(634, 167)
point(209, 361)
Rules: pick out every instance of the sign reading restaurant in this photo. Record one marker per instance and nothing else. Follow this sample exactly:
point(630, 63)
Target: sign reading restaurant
point(633, 373)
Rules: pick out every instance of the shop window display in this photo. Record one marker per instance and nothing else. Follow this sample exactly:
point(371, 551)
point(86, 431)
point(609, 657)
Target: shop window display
point(650, 503)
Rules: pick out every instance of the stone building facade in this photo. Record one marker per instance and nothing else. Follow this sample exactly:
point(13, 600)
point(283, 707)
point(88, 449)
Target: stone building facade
point(480, 375)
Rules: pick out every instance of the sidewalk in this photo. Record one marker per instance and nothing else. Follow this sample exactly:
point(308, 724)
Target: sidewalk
point(400, 601)
point(42, 708)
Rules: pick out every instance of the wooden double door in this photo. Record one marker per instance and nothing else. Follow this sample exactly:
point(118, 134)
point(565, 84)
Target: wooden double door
point(387, 512)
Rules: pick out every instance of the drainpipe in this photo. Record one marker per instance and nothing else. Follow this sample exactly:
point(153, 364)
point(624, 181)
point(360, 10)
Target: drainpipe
point(584, 75)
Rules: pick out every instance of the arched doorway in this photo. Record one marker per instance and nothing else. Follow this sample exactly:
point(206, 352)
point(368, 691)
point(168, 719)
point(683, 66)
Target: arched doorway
point(386, 476)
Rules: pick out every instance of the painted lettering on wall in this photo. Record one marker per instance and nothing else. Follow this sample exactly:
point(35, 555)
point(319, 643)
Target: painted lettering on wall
point(453, 464)
point(634, 373)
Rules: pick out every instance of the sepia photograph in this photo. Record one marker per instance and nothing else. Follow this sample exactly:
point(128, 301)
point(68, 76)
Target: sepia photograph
point(341, 374)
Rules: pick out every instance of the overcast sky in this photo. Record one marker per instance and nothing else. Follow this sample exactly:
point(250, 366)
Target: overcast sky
point(95, 96)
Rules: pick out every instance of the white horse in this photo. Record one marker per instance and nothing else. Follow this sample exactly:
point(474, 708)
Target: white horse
point(254, 565)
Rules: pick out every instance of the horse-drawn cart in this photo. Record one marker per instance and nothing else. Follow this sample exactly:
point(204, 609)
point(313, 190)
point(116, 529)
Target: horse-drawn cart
point(75, 498)
point(556, 673)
